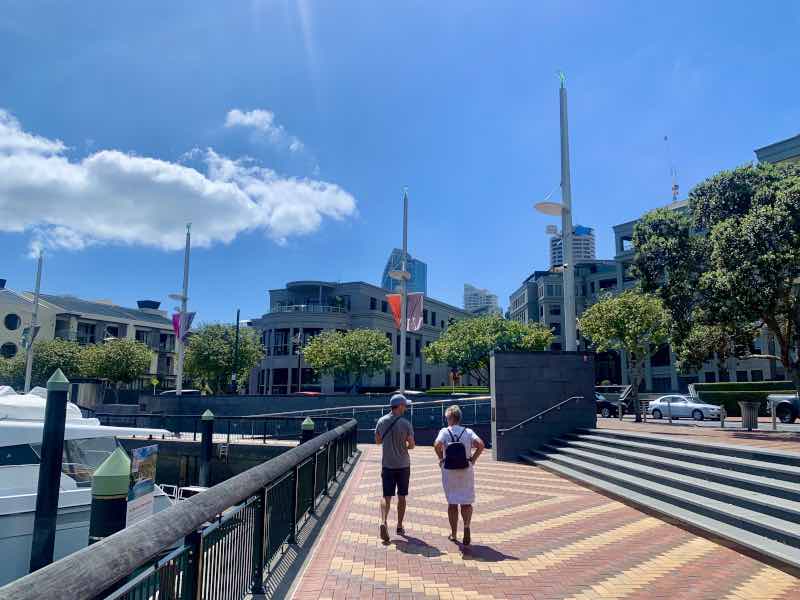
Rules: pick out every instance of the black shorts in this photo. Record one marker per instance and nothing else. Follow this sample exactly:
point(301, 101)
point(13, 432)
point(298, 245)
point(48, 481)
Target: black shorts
point(395, 479)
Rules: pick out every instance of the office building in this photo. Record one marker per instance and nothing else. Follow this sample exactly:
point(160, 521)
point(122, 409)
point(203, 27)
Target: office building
point(304, 309)
point(89, 322)
point(782, 152)
point(417, 269)
point(480, 301)
point(583, 246)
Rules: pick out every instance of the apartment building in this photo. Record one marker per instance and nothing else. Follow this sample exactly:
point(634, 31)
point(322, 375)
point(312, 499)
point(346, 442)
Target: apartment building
point(480, 301)
point(89, 322)
point(304, 309)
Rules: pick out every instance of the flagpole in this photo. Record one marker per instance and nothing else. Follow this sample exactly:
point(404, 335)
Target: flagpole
point(34, 324)
point(182, 314)
point(403, 296)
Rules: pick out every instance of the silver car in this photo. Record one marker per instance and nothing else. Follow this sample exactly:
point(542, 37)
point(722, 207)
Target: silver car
point(682, 407)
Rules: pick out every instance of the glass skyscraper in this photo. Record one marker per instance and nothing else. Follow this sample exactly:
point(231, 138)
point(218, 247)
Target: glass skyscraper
point(417, 268)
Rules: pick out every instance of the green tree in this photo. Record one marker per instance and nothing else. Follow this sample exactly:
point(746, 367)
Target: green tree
point(705, 343)
point(210, 356)
point(118, 361)
point(356, 354)
point(631, 321)
point(467, 344)
point(744, 226)
point(12, 371)
point(48, 355)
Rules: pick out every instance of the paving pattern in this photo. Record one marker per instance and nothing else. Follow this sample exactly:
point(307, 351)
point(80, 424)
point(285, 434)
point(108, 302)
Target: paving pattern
point(535, 536)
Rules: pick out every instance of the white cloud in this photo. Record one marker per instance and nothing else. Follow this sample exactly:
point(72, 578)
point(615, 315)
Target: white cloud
point(263, 122)
point(115, 197)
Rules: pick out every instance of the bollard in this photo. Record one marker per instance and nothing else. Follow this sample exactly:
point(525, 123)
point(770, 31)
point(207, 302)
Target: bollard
point(306, 430)
point(774, 416)
point(44, 524)
point(206, 447)
point(722, 415)
point(110, 485)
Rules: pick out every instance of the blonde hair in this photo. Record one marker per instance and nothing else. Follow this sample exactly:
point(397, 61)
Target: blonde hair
point(453, 411)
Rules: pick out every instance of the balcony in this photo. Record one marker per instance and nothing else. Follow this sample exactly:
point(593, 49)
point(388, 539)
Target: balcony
point(307, 308)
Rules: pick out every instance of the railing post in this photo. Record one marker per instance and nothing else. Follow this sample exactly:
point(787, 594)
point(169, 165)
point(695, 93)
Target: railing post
point(293, 515)
point(314, 485)
point(206, 448)
point(258, 544)
point(191, 587)
point(325, 489)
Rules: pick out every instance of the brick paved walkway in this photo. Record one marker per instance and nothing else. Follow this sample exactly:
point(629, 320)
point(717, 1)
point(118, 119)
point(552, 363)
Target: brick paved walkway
point(551, 539)
point(781, 441)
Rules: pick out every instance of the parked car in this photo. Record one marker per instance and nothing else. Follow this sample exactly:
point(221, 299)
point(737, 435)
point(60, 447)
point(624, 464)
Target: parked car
point(682, 407)
point(787, 406)
point(605, 407)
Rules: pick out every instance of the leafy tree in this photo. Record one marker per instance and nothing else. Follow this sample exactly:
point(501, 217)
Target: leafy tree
point(119, 361)
point(48, 355)
point(744, 227)
point(357, 353)
point(12, 371)
point(210, 356)
point(712, 342)
point(467, 344)
point(631, 321)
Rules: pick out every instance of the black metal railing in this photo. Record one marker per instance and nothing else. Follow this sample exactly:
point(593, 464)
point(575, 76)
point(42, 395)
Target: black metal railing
point(227, 429)
point(217, 545)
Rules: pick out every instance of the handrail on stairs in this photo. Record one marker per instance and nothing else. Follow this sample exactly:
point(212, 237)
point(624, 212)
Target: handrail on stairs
point(539, 415)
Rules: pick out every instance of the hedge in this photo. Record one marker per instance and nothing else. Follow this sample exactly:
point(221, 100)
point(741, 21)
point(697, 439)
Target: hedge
point(459, 389)
point(729, 394)
point(745, 386)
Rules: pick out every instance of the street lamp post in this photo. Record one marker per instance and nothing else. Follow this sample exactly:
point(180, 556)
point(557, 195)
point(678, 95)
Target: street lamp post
point(34, 328)
point(183, 297)
point(564, 209)
point(403, 276)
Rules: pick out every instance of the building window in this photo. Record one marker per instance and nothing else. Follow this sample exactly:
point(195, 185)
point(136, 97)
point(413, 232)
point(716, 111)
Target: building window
point(425, 316)
point(397, 379)
point(417, 347)
point(373, 303)
point(408, 346)
point(387, 378)
point(417, 383)
point(741, 376)
point(407, 379)
point(757, 375)
point(555, 347)
point(555, 309)
point(661, 357)
point(541, 311)
point(389, 337)
point(710, 377)
point(8, 350)
point(12, 321)
point(433, 318)
point(397, 346)
point(556, 328)
point(427, 381)
point(384, 306)
point(662, 384)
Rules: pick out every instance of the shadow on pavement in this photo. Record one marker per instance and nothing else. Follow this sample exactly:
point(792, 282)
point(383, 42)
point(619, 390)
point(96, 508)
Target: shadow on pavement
point(480, 553)
point(416, 546)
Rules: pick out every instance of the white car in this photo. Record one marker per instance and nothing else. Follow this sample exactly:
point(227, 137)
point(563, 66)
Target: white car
point(682, 407)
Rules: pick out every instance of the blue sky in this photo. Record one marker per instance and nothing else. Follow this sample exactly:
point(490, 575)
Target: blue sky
point(118, 128)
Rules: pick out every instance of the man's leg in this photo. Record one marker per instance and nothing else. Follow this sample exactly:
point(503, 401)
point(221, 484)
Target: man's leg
point(401, 511)
point(403, 479)
point(386, 505)
point(466, 514)
point(388, 484)
point(452, 515)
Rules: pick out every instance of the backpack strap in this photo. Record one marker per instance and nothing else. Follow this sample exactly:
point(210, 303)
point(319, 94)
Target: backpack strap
point(388, 429)
point(454, 438)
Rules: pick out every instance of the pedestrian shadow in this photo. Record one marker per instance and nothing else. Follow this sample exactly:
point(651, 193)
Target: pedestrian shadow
point(416, 546)
point(479, 553)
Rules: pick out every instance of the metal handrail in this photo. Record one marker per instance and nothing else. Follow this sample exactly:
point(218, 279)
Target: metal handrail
point(539, 415)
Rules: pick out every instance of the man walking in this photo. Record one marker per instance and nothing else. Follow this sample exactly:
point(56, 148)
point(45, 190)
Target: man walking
point(396, 436)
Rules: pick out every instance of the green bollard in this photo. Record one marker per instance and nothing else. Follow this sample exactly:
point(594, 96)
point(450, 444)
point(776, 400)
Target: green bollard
point(306, 430)
point(110, 485)
point(206, 448)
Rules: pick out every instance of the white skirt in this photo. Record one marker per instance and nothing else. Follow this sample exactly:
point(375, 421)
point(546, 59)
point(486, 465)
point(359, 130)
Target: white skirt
point(459, 485)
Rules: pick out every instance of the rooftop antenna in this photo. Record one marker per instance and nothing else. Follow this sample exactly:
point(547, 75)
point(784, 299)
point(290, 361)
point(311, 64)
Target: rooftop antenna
point(673, 171)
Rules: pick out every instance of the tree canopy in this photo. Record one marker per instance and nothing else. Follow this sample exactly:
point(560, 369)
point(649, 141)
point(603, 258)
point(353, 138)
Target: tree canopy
point(358, 353)
point(210, 355)
point(119, 361)
point(732, 262)
point(632, 321)
point(48, 355)
point(467, 344)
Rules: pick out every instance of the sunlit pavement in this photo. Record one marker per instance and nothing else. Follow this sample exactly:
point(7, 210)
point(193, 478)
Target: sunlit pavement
point(535, 535)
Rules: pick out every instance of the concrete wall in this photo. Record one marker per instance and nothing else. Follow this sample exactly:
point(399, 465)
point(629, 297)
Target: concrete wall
point(525, 384)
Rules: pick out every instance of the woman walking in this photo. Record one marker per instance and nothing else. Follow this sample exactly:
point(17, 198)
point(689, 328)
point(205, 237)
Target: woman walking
point(458, 448)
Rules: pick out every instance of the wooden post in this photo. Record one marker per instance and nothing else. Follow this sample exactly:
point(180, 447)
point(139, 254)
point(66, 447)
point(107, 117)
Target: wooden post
point(44, 523)
point(206, 448)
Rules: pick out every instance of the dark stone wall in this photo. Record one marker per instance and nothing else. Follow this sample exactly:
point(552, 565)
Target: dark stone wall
point(178, 461)
point(523, 385)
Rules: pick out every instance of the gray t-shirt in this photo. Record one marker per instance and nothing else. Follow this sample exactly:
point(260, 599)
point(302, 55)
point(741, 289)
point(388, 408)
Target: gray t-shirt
point(395, 453)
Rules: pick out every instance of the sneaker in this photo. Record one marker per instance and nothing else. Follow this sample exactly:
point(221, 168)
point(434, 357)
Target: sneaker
point(384, 533)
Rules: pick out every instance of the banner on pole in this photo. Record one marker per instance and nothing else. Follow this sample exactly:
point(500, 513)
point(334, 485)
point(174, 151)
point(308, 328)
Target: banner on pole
point(413, 310)
point(182, 329)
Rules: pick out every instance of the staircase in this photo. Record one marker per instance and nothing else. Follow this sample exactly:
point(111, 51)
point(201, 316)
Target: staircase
point(746, 496)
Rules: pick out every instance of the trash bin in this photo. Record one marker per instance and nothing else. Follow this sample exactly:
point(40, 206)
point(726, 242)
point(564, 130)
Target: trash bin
point(749, 415)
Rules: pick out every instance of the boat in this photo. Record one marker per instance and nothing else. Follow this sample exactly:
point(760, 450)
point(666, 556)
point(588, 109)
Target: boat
point(86, 445)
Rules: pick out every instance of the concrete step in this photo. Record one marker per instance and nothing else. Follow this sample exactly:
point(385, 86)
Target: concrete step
point(731, 494)
point(773, 528)
point(702, 455)
point(765, 547)
point(746, 481)
point(791, 459)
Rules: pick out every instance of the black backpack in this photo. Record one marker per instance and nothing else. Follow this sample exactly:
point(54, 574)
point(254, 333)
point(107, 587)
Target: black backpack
point(455, 454)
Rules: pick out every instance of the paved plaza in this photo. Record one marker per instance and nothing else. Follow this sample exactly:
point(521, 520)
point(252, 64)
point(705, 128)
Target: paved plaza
point(535, 536)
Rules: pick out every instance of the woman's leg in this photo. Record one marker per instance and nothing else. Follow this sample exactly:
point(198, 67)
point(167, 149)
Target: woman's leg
point(466, 514)
point(452, 515)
